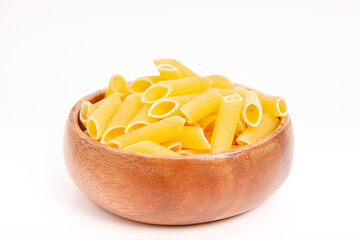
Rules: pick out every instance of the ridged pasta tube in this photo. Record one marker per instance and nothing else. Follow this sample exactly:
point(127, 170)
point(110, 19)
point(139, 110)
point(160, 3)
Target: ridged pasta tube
point(219, 81)
point(100, 118)
point(148, 147)
point(158, 132)
point(192, 137)
point(202, 106)
point(176, 87)
point(252, 110)
point(251, 135)
point(140, 85)
point(168, 71)
point(118, 86)
point(185, 71)
point(274, 105)
point(126, 111)
point(226, 121)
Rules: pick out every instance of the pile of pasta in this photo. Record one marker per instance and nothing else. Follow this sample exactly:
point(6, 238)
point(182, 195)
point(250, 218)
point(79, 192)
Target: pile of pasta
point(180, 113)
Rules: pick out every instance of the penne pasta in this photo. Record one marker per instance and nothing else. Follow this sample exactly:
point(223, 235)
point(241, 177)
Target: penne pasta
point(100, 118)
point(192, 137)
point(226, 121)
point(158, 132)
point(267, 125)
point(241, 125)
point(185, 72)
point(173, 146)
point(118, 86)
point(183, 99)
point(141, 119)
point(252, 110)
point(139, 85)
point(219, 81)
point(126, 111)
point(168, 72)
point(208, 123)
point(148, 147)
point(202, 106)
point(84, 111)
point(176, 87)
point(273, 105)
point(163, 108)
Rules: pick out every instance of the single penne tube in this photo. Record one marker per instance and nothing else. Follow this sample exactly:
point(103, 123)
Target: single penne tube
point(182, 86)
point(148, 147)
point(183, 99)
point(163, 108)
point(141, 119)
point(158, 132)
point(168, 72)
point(219, 81)
point(185, 71)
point(267, 125)
point(207, 123)
point(172, 145)
point(192, 137)
point(100, 118)
point(139, 85)
point(126, 111)
point(202, 106)
point(273, 105)
point(118, 86)
point(226, 121)
point(241, 125)
point(252, 110)
point(84, 110)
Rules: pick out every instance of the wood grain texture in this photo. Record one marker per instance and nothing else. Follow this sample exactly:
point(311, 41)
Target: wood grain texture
point(176, 190)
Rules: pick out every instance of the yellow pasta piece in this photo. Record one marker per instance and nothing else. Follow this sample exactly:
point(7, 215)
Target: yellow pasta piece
point(158, 132)
point(139, 85)
point(183, 99)
point(192, 137)
point(84, 110)
point(252, 110)
point(260, 93)
point(126, 111)
point(168, 72)
point(274, 105)
point(185, 72)
point(267, 125)
point(141, 119)
point(208, 123)
point(100, 118)
point(173, 146)
point(87, 132)
point(219, 81)
point(118, 86)
point(148, 147)
point(182, 86)
point(163, 108)
point(241, 125)
point(226, 121)
point(202, 106)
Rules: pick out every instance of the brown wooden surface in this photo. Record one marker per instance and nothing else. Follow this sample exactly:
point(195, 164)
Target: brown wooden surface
point(176, 190)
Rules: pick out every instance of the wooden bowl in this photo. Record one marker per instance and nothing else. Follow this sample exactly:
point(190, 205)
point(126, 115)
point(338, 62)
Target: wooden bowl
point(176, 190)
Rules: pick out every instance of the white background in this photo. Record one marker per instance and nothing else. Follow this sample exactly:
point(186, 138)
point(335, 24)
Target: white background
point(52, 53)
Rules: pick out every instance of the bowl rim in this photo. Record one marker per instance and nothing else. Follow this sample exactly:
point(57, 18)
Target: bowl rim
point(75, 123)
